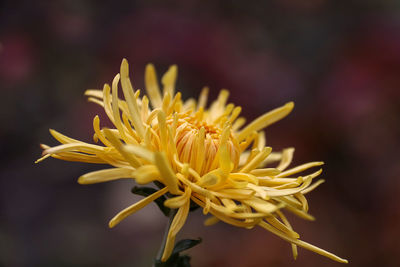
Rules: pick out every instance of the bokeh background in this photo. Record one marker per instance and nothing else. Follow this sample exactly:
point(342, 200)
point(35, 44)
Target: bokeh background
point(339, 61)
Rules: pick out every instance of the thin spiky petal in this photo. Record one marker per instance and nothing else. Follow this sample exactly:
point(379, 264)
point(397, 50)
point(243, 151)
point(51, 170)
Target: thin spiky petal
point(135, 207)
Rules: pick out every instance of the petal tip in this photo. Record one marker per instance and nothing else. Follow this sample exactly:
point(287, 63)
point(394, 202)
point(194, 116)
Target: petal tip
point(149, 66)
point(112, 224)
point(82, 180)
point(124, 68)
point(290, 104)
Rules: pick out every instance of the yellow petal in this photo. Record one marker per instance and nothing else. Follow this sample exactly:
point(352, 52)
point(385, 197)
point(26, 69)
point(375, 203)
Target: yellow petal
point(287, 156)
point(169, 79)
point(300, 168)
point(313, 186)
point(131, 99)
point(96, 93)
point(180, 216)
point(203, 98)
point(152, 87)
point(107, 102)
point(163, 129)
point(244, 177)
point(42, 158)
point(200, 150)
point(256, 160)
point(166, 172)
point(146, 174)
point(195, 187)
point(289, 191)
point(176, 225)
point(238, 123)
point(166, 102)
point(63, 139)
point(121, 149)
point(259, 191)
point(140, 152)
point(145, 108)
point(96, 101)
point(217, 107)
point(235, 113)
point(224, 156)
point(262, 206)
point(265, 120)
point(228, 215)
point(237, 194)
point(208, 180)
point(299, 212)
point(273, 182)
point(179, 201)
point(169, 245)
point(135, 207)
point(283, 228)
point(302, 244)
point(105, 175)
point(175, 102)
point(115, 109)
point(99, 134)
point(79, 147)
point(265, 172)
point(286, 222)
point(211, 221)
point(78, 157)
point(273, 157)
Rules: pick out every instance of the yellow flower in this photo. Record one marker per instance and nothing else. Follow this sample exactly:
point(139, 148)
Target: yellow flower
point(199, 154)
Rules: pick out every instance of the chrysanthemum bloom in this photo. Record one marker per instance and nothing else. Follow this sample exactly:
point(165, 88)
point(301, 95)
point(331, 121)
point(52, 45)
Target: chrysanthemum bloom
point(201, 155)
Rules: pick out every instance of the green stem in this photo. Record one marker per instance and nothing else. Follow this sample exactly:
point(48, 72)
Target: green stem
point(171, 216)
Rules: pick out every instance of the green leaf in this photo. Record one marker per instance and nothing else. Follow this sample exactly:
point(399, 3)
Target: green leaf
point(173, 261)
point(193, 206)
point(159, 184)
point(147, 191)
point(184, 261)
point(185, 244)
point(177, 260)
point(143, 190)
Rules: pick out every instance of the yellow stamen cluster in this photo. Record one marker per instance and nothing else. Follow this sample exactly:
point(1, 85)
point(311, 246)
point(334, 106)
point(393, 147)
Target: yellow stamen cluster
point(201, 155)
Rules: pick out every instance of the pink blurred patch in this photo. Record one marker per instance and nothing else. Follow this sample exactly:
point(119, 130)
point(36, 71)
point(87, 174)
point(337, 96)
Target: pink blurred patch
point(16, 59)
point(69, 26)
point(366, 75)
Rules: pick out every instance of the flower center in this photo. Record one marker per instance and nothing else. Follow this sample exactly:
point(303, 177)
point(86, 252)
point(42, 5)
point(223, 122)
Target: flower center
point(197, 143)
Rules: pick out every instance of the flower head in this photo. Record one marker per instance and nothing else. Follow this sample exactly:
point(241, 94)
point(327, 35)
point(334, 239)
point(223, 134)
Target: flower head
point(199, 154)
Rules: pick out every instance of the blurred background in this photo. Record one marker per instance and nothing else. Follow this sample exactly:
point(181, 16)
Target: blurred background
point(339, 61)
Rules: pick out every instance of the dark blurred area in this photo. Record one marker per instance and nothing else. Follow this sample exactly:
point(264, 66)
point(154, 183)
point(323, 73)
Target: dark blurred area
point(339, 61)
